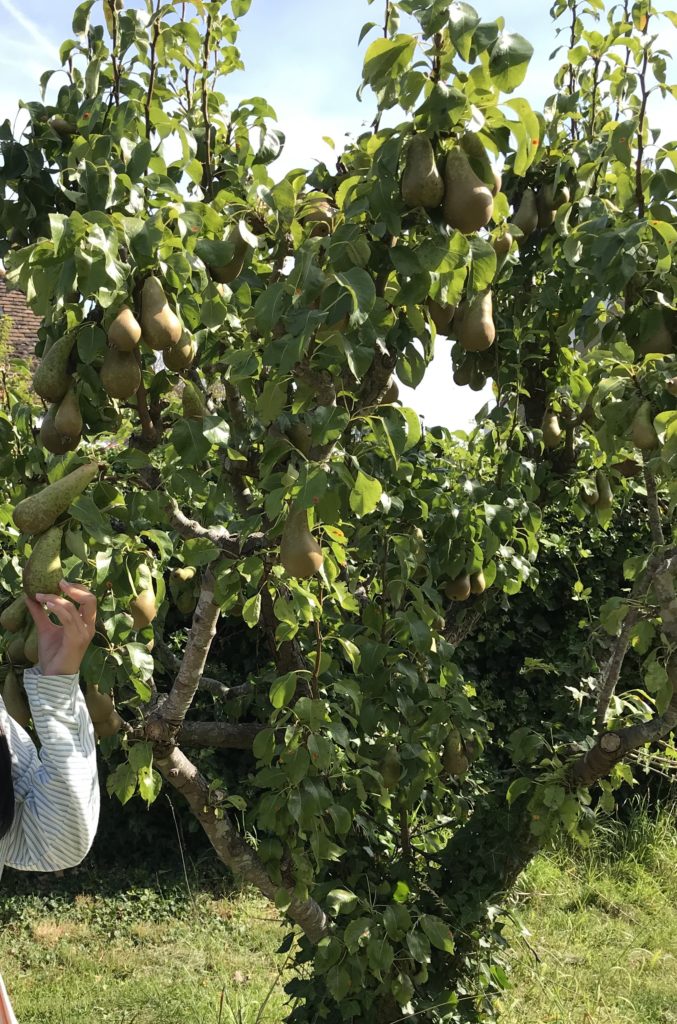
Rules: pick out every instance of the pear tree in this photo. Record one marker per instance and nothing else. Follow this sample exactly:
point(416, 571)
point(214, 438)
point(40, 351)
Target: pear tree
point(215, 414)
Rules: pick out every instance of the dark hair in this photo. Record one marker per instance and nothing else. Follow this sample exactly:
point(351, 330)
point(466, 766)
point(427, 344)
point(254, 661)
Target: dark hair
point(6, 787)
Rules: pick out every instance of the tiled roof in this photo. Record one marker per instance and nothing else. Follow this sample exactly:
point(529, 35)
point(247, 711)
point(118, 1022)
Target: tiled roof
point(24, 331)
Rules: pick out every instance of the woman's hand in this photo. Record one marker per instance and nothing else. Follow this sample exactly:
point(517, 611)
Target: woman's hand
point(62, 647)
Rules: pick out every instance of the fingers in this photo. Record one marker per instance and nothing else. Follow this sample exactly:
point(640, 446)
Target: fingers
point(84, 598)
point(67, 614)
point(38, 613)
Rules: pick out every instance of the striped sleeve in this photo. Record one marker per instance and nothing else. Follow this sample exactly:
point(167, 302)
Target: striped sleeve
point(57, 790)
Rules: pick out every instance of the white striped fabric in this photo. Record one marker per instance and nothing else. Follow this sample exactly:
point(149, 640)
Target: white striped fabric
point(6, 1011)
point(57, 790)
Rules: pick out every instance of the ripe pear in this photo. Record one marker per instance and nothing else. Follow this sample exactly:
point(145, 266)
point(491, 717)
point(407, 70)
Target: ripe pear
point(185, 573)
point(43, 571)
point(391, 768)
point(52, 380)
point(463, 373)
point(478, 378)
point(422, 183)
point(16, 649)
point(300, 436)
point(61, 126)
point(459, 589)
point(468, 202)
point(605, 494)
point(552, 432)
point(475, 329)
point(391, 394)
point(182, 355)
point(642, 431)
point(51, 439)
point(545, 207)
point(111, 727)
point(300, 553)
point(99, 705)
point(194, 407)
point(120, 373)
point(471, 145)
point(526, 217)
point(31, 649)
point(321, 215)
point(68, 418)
point(143, 609)
point(590, 494)
point(40, 511)
point(233, 268)
point(160, 326)
point(478, 584)
point(14, 616)
point(124, 333)
point(454, 757)
point(441, 316)
point(15, 700)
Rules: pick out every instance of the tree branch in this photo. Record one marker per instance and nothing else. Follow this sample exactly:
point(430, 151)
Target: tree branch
point(229, 543)
point(228, 845)
point(220, 735)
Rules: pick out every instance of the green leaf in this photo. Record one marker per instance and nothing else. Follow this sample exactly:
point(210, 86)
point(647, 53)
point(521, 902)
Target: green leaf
point(365, 494)
point(438, 932)
point(517, 788)
point(362, 290)
point(269, 307)
point(418, 945)
point(509, 61)
point(122, 783)
point(150, 785)
point(341, 901)
point(251, 611)
point(385, 59)
point(282, 690)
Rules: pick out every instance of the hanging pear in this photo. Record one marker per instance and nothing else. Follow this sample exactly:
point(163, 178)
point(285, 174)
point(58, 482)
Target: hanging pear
point(391, 768)
point(441, 316)
point(656, 336)
point(422, 183)
point(15, 700)
point(143, 608)
point(194, 407)
point(111, 727)
point(52, 380)
point(182, 355)
point(454, 757)
point(16, 649)
point(526, 217)
point(124, 333)
point(43, 571)
point(320, 214)
point(31, 649)
point(552, 432)
point(68, 418)
point(468, 203)
point(301, 436)
point(50, 438)
point(459, 589)
point(474, 324)
point(605, 494)
point(642, 431)
point(480, 163)
point(478, 583)
point(589, 493)
point(235, 265)
point(99, 705)
point(14, 616)
point(391, 394)
point(300, 553)
point(502, 246)
point(160, 326)
point(38, 512)
point(120, 374)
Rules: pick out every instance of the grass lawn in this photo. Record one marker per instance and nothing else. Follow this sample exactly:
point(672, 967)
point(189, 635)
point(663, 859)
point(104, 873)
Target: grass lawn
point(595, 941)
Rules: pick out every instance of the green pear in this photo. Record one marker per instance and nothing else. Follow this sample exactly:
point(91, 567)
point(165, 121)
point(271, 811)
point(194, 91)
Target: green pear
point(391, 394)
point(160, 325)
point(471, 145)
point(43, 571)
point(454, 757)
point(16, 648)
point(422, 183)
point(441, 316)
point(143, 608)
point(300, 553)
point(111, 727)
point(124, 333)
point(642, 430)
point(50, 438)
point(552, 432)
point(301, 436)
point(99, 705)
point(193, 403)
point(68, 418)
point(459, 589)
point(656, 336)
point(605, 494)
point(61, 126)
point(478, 583)
point(52, 380)
point(15, 700)
point(120, 373)
point(13, 618)
point(526, 217)
point(31, 649)
point(468, 202)
point(320, 214)
point(474, 324)
point(463, 373)
point(391, 768)
point(182, 355)
point(589, 493)
point(40, 511)
point(235, 265)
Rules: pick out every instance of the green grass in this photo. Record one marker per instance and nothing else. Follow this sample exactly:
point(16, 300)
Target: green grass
point(595, 942)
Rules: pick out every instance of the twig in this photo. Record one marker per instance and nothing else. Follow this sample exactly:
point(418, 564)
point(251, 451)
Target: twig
point(639, 188)
point(152, 67)
point(208, 176)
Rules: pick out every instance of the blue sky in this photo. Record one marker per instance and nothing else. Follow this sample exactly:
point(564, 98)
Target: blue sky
point(302, 56)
